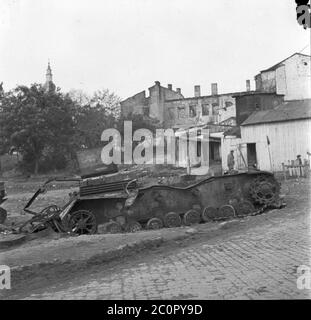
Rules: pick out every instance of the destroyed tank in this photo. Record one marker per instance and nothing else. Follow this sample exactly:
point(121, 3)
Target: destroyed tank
point(125, 205)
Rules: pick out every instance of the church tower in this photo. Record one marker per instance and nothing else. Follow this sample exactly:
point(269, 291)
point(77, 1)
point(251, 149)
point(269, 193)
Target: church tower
point(49, 86)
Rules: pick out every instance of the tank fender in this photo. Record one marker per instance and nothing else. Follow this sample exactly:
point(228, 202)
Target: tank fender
point(67, 209)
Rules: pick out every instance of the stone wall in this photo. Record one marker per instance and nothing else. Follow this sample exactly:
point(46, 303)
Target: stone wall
point(199, 110)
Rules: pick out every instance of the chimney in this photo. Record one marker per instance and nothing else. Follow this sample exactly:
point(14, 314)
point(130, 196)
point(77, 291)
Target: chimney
point(178, 90)
point(157, 83)
point(214, 89)
point(248, 85)
point(170, 87)
point(197, 91)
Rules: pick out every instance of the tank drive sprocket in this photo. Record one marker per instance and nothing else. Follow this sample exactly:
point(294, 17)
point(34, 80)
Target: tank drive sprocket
point(264, 190)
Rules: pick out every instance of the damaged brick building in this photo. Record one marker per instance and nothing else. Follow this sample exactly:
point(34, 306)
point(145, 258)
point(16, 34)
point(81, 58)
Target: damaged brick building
point(173, 110)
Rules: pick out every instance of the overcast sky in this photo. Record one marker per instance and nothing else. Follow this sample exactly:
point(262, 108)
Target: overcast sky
point(125, 45)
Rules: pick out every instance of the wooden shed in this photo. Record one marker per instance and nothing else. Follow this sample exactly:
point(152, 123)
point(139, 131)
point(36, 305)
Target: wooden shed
point(272, 137)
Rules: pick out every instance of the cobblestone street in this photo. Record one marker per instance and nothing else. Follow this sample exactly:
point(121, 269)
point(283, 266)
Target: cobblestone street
point(257, 263)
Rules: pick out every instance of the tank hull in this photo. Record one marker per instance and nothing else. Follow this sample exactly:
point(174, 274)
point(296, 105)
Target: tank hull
point(222, 196)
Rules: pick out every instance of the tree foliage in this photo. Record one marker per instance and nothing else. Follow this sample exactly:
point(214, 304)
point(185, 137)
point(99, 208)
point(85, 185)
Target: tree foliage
point(94, 114)
point(37, 124)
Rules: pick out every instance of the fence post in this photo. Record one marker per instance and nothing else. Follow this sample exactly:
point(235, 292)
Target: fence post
point(284, 171)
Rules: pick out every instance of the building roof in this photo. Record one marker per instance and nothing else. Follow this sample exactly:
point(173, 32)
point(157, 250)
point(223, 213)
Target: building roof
point(234, 131)
point(254, 93)
point(276, 66)
point(287, 111)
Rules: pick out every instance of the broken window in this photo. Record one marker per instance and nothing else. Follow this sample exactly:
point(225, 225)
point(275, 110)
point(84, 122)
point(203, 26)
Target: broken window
point(205, 110)
point(171, 113)
point(192, 111)
point(215, 108)
point(228, 104)
point(181, 112)
point(146, 111)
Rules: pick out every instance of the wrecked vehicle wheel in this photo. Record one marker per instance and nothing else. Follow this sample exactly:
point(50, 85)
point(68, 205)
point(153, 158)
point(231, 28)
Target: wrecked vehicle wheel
point(191, 217)
point(265, 190)
point(226, 211)
point(209, 213)
point(172, 220)
point(154, 224)
point(3, 215)
point(82, 222)
point(113, 227)
point(244, 208)
point(133, 226)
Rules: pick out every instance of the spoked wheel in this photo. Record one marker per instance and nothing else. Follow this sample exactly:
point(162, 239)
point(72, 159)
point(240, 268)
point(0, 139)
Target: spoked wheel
point(133, 226)
point(226, 211)
point(209, 213)
point(154, 224)
point(191, 217)
point(172, 220)
point(82, 222)
point(244, 208)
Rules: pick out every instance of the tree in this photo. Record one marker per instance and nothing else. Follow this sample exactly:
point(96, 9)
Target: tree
point(38, 124)
point(93, 115)
point(139, 121)
point(108, 102)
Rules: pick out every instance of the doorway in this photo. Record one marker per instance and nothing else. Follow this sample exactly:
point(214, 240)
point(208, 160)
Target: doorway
point(251, 155)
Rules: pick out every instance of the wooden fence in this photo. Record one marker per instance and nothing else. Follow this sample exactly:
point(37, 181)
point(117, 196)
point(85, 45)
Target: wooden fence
point(292, 169)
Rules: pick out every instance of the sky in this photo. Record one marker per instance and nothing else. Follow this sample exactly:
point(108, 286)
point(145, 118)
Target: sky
point(127, 45)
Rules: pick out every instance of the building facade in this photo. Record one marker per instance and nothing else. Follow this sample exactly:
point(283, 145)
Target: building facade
point(152, 106)
point(290, 77)
point(249, 102)
point(173, 110)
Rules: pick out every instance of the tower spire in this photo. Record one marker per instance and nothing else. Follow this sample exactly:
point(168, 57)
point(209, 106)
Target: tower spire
point(49, 73)
point(49, 85)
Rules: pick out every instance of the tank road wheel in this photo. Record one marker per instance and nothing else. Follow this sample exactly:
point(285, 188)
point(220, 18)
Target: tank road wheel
point(264, 190)
point(191, 217)
point(154, 224)
point(113, 227)
point(3, 215)
point(209, 213)
point(133, 226)
point(226, 211)
point(244, 208)
point(82, 222)
point(172, 220)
